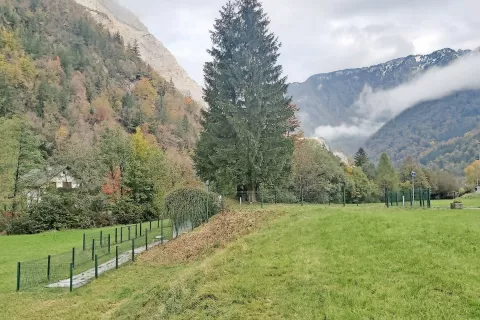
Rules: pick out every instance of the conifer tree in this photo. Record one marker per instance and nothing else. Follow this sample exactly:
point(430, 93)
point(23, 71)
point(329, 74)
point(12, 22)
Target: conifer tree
point(28, 157)
point(136, 48)
point(244, 141)
point(361, 158)
point(386, 175)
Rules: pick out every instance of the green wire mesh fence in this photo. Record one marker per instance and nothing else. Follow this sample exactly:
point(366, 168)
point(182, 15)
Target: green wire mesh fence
point(94, 249)
point(418, 198)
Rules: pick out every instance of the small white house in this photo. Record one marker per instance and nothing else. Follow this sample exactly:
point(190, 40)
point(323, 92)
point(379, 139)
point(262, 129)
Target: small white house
point(38, 181)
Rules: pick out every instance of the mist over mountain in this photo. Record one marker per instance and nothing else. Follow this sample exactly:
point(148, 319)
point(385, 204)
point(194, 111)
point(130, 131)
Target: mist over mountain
point(347, 107)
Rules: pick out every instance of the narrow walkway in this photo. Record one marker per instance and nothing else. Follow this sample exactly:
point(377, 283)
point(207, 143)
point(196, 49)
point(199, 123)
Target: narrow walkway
point(83, 278)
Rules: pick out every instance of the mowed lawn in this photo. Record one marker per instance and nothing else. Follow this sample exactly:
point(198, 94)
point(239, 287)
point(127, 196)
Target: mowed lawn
point(314, 262)
point(30, 247)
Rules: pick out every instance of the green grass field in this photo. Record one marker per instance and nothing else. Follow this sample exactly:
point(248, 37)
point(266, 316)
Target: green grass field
point(312, 263)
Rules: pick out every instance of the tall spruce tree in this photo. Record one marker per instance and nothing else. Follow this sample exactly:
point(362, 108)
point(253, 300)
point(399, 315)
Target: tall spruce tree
point(361, 158)
point(244, 141)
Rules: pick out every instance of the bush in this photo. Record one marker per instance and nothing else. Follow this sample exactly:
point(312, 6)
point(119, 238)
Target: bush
point(471, 196)
point(126, 211)
point(21, 224)
point(57, 211)
point(191, 206)
point(281, 196)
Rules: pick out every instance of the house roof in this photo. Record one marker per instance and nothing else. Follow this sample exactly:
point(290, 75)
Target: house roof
point(39, 177)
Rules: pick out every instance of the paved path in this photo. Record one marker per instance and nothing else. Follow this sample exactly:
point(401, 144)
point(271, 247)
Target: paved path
point(87, 276)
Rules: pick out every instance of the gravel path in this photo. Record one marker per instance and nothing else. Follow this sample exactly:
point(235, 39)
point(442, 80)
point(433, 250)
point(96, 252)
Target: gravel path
point(83, 278)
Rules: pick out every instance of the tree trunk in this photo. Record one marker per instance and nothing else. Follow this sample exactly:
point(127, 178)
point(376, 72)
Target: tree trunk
point(252, 197)
point(17, 178)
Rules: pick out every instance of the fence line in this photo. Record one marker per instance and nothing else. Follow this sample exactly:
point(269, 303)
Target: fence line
point(95, 249)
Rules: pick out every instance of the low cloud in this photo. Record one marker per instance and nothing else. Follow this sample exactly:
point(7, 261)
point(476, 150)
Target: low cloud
point(363, 128)
point(436, 83)
point(375, 107)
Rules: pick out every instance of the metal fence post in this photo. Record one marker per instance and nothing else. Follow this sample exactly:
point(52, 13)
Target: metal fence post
point(146, 240)
point(116, 257)
point(121, 234)
point(71, 277)
point(128, 232)
point(140, 229)
point(136, 230)
point(133, 250)
point(161, 232)
point(18, 275)
point(101, 239)
point(116, 235)
point(93, 249)
point(49, 260)
point(420, 197)
point(150, 225)
point(158, 222)
point(73, 257)
point(207, 209)
point(386, 197)
point(429, 204)
point(84, 242)
point(108, 240)
point(344, 196)
point(261, 196)
point(96, 266)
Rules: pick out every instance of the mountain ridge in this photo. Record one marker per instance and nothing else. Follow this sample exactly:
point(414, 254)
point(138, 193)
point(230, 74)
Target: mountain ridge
point(328, 99)
point(117, 18)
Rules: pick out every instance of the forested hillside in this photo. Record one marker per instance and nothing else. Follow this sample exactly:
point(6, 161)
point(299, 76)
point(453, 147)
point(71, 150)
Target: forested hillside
point(442, 133)
point(72, 94)
point(329, 99)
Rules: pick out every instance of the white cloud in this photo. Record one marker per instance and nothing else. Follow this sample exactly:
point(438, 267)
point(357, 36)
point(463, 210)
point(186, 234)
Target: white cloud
point(362, 129)
point(434, 84)
point(321, 35)
point(374, 108)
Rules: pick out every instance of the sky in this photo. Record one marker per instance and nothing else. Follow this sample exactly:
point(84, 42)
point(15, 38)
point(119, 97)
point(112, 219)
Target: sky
point(320, 35)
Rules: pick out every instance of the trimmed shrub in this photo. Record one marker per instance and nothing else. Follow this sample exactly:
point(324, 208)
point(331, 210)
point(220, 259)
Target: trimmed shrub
point(281, 196)
point(191, 206)
point(125, 212)
point(20, 224)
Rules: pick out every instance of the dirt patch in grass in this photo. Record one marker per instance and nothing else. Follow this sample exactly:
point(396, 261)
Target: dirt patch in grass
point(220, 230)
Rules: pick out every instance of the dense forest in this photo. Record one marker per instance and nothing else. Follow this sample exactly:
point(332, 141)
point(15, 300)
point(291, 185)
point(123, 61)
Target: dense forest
point(73, 95)
point(442, 134)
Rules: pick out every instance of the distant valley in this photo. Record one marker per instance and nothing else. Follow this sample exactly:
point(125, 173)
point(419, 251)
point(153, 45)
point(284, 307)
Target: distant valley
point(332, 106)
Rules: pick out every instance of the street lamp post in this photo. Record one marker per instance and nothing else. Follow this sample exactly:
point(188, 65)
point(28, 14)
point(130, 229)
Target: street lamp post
point(414, 174)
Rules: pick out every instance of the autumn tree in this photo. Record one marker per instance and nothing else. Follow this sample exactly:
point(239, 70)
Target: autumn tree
point(386, 176)
point(316, 170)
point(245, 141)
point(146, 174)
point(472, 172)
point(405, 174)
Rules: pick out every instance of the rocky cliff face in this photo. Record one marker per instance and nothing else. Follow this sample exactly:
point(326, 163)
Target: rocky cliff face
point(119, 19)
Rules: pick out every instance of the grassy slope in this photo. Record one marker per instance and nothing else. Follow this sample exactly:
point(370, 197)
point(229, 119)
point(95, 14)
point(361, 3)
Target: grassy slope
point(353, 263)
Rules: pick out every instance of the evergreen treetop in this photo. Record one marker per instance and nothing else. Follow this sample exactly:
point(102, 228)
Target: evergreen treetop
point(361, 158)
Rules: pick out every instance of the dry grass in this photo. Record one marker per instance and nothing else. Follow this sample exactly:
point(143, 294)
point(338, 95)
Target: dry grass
point(221, 229)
